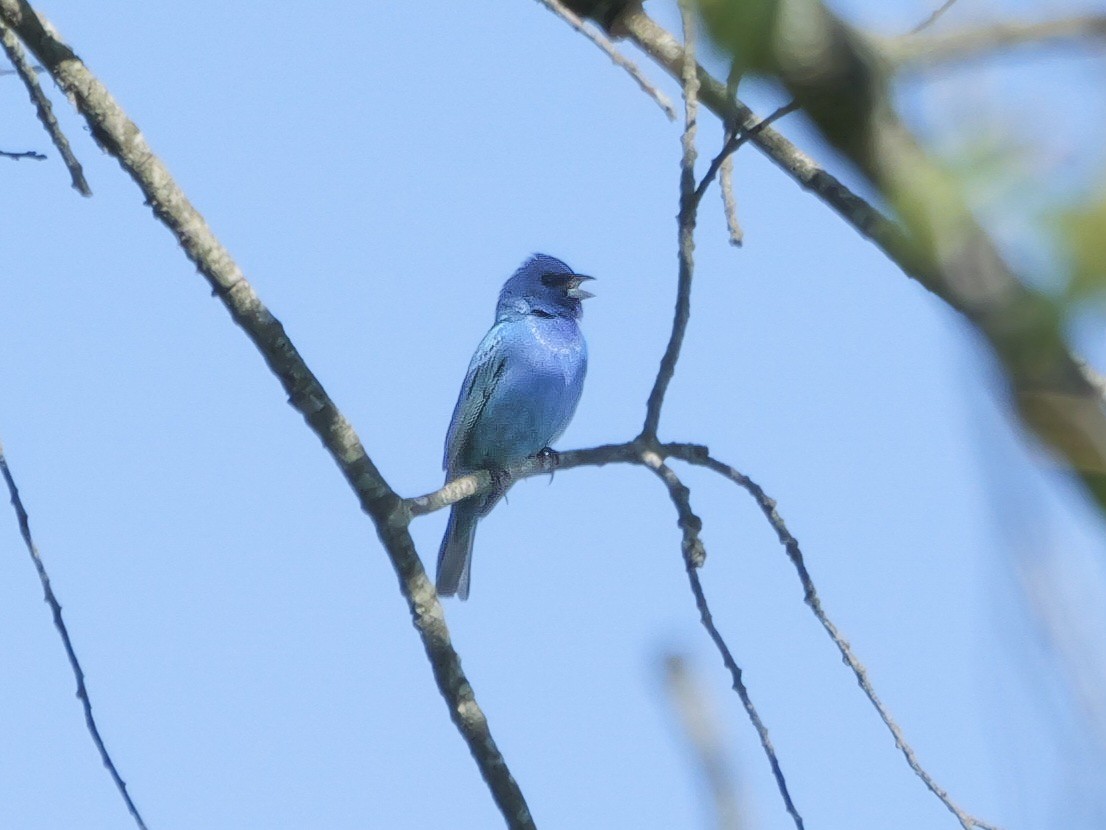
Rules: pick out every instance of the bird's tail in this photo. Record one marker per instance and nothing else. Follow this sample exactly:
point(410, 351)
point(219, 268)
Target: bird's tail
point(455, 554)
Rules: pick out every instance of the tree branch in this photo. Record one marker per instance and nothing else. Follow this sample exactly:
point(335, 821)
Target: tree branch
point(26, 72)
point(937, 14)
point(635, 452)
point(810, 597)
point(572, 19)
point(945, 250)
point(689, 206)
point(119, 136)
point(729, 203)
point(25, 154)
point(694, 555)
point(734, 142)
point(914, 52)
point(869, 222)
point(481, 481)
point(70, 652)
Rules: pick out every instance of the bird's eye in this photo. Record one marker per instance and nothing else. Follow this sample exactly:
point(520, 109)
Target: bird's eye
point(556, 280)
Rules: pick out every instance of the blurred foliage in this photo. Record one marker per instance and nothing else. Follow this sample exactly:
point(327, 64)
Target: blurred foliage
point(843, 84)
point(746, 30)
point(1081, 236)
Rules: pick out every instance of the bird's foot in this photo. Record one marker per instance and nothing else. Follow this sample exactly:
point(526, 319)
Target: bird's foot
point(549, 458)
point(501, 481)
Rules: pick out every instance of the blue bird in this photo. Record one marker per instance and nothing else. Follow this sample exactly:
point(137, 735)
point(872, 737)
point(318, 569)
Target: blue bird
point(520, 392)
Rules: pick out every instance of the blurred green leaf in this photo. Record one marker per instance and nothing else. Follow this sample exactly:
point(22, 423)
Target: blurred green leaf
point(746, 30)
point(1081, 234)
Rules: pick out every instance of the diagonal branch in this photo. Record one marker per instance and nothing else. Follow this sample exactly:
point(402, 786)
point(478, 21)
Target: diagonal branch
point(936, 15)
point(70, 652)
point(119, 136)
point(660, 45)
point(810, 597)
point(26, 72)
point(694, 554)
point(970, 43)
point(635, 452)
point(945, 249)
point(734, 142)
point(572, 19)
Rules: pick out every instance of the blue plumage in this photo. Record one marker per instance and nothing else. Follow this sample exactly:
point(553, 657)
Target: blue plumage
point(520, 392)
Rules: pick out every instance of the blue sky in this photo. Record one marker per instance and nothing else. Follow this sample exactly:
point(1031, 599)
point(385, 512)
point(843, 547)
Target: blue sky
point(378, 170)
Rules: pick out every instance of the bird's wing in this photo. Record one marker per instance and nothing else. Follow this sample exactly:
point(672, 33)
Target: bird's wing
point(485, 369)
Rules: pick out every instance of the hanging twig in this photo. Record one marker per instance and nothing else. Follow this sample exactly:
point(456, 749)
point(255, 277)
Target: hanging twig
point(694, 554)
point(810, 597)
point(572, 19)
point(59, 624)
point(26, 72)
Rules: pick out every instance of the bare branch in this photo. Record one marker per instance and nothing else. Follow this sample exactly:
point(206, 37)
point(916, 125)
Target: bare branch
point(729, 202)
point(810, 597)
point(689, 206)
point(118, 135)
point(67, 643)
point(945, 249)
point(913, 52)
point(26, 154)
point(659, 44)
point(26, 72)
point(734, 142)
point(690, 525)
point(694, 554)
point(725, 172)
point(481, 481)
point(572, 19)
point(938, 13)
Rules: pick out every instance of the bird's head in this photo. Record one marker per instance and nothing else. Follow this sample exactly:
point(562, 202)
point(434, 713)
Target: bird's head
point(545, 285)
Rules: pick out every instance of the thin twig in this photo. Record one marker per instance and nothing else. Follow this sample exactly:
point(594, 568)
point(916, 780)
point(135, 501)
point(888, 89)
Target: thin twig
point(572, 19)
point(26, 72)
point(734, 142)
point(810, 597)
point(934, 17)
point(686, 229)
point(695, 553)
point(26, 154)
point(59, 623)
point(120, 137)
point(660, 45)
point(725, 172)
point(729, 202)
point(693, 557)
point(911, 52)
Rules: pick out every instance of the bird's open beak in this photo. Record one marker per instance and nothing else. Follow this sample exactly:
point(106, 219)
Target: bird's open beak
point(575, 291)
